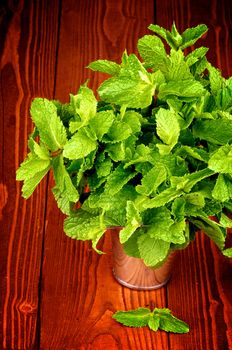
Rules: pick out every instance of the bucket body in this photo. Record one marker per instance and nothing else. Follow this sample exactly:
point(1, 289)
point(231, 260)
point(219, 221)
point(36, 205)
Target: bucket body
point(133, 273)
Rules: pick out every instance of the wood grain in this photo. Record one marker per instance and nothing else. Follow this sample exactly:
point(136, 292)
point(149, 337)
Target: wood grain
point(27, 69)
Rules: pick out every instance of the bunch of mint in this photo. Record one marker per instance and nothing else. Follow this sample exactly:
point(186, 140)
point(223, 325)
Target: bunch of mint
point(155, 151)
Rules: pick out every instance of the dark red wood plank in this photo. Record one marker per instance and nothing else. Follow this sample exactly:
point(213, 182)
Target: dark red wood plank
point(79, 294)
point(27, 69)
point(200, 288)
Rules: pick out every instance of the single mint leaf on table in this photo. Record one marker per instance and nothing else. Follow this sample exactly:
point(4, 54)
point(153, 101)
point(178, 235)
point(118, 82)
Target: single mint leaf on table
point(156, 319)
point(51, 129)
point(170, 323)
point(133, 318)
point(153, 323)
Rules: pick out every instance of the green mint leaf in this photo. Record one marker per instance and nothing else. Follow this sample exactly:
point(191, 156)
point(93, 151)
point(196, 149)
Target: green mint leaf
point(153, 323)
point(177, 38)
point(177, 68)
point(31, 183)
point(215, 131)
point(168, 129)
point(176, 234)
point(221, 160)
point(40, 151)
point(194, 152)
point(133, 119)
point(211, 229)
point(51, 129)
point(131, 245)
point(79, 146)
point(227, 252)
point(162, 198)
point(170, 323)
point(152, 180)
point(116, 151)
point(103, 165)
point(133, 222)
point(165, 34)
point(63, 181)
point(215, 78)
point(118, 131)
point(85, 226)
point(152, 251)
point(178, 209)
point(31, 166)
point(158, 221)
point(117, 179)
point(225, 221)
point(191, 35)
point(223, 189)
point(156, 319)
point(62, 201)
point(142, 154)
point(105, 66)
point(133, 318)
point(152, 50)
point(195, 55)
point(101, 123)
point(133, 87)
point(84, 105)
point(187, 182)
point(188, 88)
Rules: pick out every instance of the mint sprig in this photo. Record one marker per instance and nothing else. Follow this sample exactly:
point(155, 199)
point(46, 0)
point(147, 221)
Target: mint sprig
point(156, 319)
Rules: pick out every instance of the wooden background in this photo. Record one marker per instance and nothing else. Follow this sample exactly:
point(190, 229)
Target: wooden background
point(56, 293)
